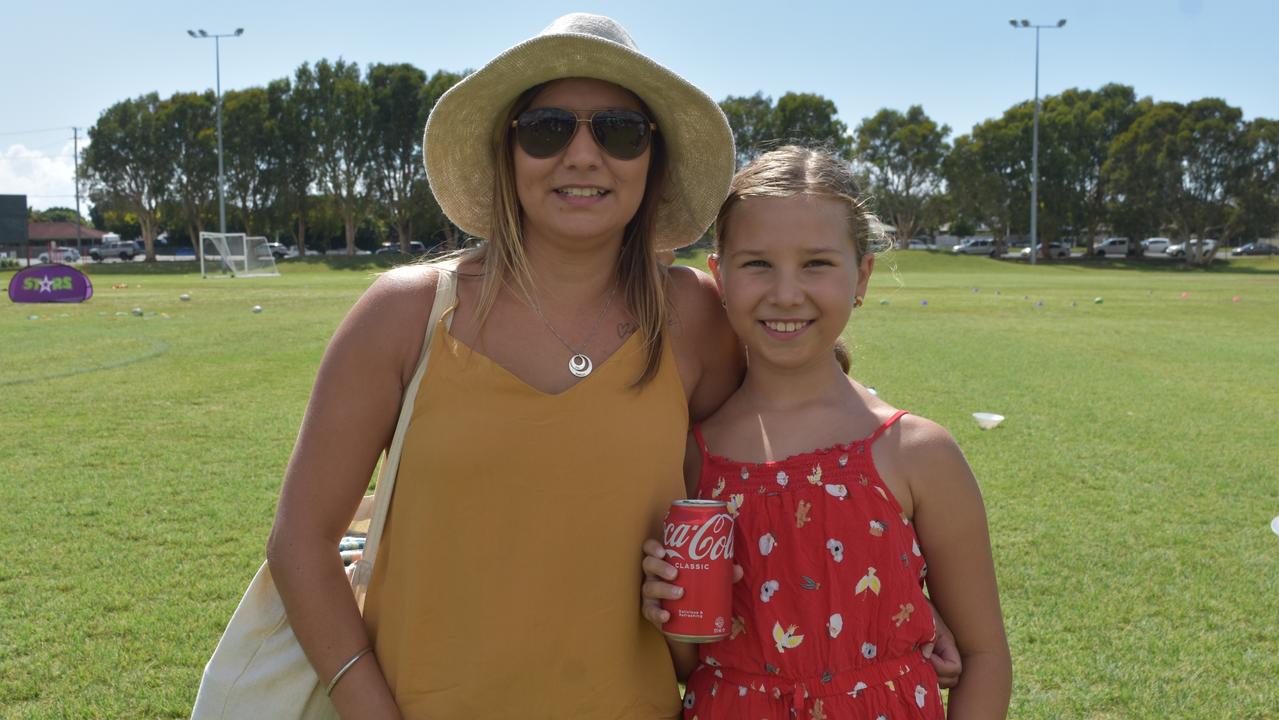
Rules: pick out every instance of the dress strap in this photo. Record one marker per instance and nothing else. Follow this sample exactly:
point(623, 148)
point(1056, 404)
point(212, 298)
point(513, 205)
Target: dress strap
point(884, 428)
point(701, 441)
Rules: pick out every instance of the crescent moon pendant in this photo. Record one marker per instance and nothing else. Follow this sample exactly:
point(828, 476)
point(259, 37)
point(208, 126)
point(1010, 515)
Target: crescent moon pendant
point(580, 365)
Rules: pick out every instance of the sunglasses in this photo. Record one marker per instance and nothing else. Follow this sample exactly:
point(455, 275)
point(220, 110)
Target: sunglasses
point(543, 132)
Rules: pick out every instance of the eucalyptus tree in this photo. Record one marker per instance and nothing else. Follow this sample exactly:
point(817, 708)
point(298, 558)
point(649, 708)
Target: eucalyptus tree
point(250, 162)
point(810, 119)
point(128, 164)
point(187, 120)
point(1258, 211)
point(402, 99)
point(987, 174)
point(1077, 129)
point(800, 118)
point(1184, 167)
point(293, 106)
point(751, 119)
point(901, 155)
point(344, 142)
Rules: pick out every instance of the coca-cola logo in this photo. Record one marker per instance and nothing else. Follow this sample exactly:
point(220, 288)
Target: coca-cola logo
point(712, 540)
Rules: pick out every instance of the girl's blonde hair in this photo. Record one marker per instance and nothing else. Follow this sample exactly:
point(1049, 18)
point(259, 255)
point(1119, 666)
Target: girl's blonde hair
point(642, 281)
point(792, 170)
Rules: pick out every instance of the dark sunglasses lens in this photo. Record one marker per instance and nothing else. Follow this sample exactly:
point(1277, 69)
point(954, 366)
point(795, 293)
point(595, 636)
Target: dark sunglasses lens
point(624, 134)
point(545, 131)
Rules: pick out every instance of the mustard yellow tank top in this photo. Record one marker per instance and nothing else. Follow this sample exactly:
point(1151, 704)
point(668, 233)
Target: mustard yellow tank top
point(507, 583)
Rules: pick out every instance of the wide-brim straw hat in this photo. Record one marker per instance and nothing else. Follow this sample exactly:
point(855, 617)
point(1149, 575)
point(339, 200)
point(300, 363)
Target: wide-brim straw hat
point(460, 154)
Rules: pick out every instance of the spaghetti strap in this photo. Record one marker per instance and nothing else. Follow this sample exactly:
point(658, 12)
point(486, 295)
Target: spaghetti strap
point(701, 441)
point(884, 428)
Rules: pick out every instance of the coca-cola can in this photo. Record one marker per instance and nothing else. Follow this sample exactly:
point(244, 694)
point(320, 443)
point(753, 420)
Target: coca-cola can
point(698, 538)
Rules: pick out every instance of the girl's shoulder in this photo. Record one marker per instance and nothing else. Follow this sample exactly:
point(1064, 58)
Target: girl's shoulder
point(918, 451)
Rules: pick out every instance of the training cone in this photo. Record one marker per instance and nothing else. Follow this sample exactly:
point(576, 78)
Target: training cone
point(987, 421)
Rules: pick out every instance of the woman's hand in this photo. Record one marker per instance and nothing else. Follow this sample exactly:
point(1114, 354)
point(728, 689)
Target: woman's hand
point(943, 653)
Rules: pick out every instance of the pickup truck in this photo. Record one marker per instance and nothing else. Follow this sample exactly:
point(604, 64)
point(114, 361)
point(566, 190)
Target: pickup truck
point(123, 249)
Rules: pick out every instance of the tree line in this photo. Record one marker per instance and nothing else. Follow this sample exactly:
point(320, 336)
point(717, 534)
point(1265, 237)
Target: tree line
point(335, 151)
point(331, 150)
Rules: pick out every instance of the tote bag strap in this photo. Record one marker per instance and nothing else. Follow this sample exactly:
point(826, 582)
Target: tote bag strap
point(445, 295)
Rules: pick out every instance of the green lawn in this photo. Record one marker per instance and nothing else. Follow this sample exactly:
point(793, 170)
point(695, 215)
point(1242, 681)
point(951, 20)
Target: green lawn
point(1130, 490)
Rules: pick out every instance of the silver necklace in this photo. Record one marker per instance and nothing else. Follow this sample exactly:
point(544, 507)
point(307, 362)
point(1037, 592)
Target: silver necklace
point(579, 364)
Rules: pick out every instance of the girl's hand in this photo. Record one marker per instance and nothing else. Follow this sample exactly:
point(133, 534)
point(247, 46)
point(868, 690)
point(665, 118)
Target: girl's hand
point(656, 587)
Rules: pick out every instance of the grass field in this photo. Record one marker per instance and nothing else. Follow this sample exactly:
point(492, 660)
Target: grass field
point(1130, 490)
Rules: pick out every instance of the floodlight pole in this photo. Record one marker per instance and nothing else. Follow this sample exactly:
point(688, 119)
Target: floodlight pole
point(76, 154)
point(1034, 143)
point(217, 61)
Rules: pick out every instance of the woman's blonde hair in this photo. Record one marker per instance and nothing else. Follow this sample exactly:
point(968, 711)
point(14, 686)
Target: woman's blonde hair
point(641, 279)
point(793, 170)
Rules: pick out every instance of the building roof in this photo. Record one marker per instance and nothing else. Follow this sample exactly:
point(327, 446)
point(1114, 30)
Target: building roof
point(40, 232)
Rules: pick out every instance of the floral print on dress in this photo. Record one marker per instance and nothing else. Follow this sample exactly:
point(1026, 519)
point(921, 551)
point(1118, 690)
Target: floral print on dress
point(827, 620)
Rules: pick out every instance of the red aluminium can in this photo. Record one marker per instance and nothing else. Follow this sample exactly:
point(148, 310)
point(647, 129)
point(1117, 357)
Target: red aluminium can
point(698, 538)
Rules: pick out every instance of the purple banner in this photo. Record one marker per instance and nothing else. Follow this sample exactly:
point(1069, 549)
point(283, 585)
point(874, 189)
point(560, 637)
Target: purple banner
point(50, 283)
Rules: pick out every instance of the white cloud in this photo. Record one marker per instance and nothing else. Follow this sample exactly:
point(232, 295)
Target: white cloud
point(45, 174)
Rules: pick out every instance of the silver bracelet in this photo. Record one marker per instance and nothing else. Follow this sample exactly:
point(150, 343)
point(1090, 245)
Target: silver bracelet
point(347, 666)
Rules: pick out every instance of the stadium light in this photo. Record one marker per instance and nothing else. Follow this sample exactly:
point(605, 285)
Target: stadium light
point(1034, 144)
point(217, 59)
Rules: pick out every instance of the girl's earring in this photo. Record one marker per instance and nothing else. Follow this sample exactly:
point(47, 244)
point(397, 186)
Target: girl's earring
point(857, 301)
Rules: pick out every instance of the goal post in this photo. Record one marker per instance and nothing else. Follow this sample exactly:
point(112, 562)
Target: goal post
point(235, 255)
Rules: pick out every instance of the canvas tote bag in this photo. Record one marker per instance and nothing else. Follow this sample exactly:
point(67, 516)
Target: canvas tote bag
point(258, 669)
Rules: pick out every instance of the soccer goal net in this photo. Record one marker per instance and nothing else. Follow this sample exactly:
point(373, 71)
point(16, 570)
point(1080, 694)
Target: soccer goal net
point(235, 255)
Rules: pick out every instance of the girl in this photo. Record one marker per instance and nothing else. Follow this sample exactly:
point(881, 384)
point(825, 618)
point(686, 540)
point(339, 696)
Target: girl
point(838, 497)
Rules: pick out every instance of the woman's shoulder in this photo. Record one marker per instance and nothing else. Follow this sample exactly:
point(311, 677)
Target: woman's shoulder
point(692, 290)
point(709, 355)
point(400, 295)
point(389, 320)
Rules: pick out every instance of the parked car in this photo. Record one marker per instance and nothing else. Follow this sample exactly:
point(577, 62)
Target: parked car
point(1115, 246)
point(977, 246)
point(1179, 250)
point(62, 254)
point(277, 250)
point(415, 248)
point(1256, 248)
point(920, 243)
point(1156, 245)
point(1056, 249)
point(123, 249)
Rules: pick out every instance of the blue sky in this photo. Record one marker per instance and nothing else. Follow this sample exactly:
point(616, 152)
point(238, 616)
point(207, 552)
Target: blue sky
point(62, 63)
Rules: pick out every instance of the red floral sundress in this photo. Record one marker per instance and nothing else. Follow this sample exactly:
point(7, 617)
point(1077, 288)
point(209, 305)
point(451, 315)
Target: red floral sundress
point(830, 615)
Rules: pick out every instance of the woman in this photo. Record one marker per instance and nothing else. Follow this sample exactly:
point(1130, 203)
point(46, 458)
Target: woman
point(549, 431)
